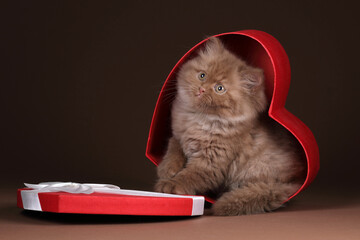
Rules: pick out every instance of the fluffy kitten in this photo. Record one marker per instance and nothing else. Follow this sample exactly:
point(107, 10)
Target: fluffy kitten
point(223, 142)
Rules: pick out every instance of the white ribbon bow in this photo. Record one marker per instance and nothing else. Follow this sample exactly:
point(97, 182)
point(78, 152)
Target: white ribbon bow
point(69, 187)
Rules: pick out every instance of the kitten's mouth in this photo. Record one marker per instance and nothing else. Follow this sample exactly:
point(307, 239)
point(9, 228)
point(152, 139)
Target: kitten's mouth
point(202, 100)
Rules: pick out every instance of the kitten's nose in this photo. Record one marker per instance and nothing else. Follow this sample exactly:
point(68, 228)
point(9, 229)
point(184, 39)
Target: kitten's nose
point(201, 90)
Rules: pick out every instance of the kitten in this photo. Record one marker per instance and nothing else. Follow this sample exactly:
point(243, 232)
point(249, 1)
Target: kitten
point(223, 141)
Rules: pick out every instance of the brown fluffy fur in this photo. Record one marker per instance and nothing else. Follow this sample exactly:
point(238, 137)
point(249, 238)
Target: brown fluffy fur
point(224, 144)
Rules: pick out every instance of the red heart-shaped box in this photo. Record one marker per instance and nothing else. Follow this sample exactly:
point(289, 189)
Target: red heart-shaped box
point(261, 50)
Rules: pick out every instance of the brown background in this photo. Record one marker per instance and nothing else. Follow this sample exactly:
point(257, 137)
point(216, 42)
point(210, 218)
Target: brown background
point(80, 79)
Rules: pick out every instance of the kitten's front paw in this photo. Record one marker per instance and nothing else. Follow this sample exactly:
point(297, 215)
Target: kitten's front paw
point(171, 186)
point(167, 171)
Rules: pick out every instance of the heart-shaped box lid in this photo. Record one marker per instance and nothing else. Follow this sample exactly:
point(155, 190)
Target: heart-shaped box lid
point(261, 50)
point(110, 201)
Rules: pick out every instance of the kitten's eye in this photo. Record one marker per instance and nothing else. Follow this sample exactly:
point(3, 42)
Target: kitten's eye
point(202, 76)
point(220, 89)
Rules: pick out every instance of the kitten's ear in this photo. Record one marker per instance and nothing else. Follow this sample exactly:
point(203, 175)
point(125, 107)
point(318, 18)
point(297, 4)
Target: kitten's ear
point(251, 78)
point(213, 46)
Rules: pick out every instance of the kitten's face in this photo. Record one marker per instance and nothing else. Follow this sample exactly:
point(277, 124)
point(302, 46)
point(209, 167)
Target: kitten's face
point(217, 82)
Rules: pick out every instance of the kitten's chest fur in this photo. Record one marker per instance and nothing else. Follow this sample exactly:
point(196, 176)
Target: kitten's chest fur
point(207, 136)
point(244, 153)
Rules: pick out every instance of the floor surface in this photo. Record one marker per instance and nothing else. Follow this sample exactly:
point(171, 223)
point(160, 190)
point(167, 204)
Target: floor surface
point(310, 216)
